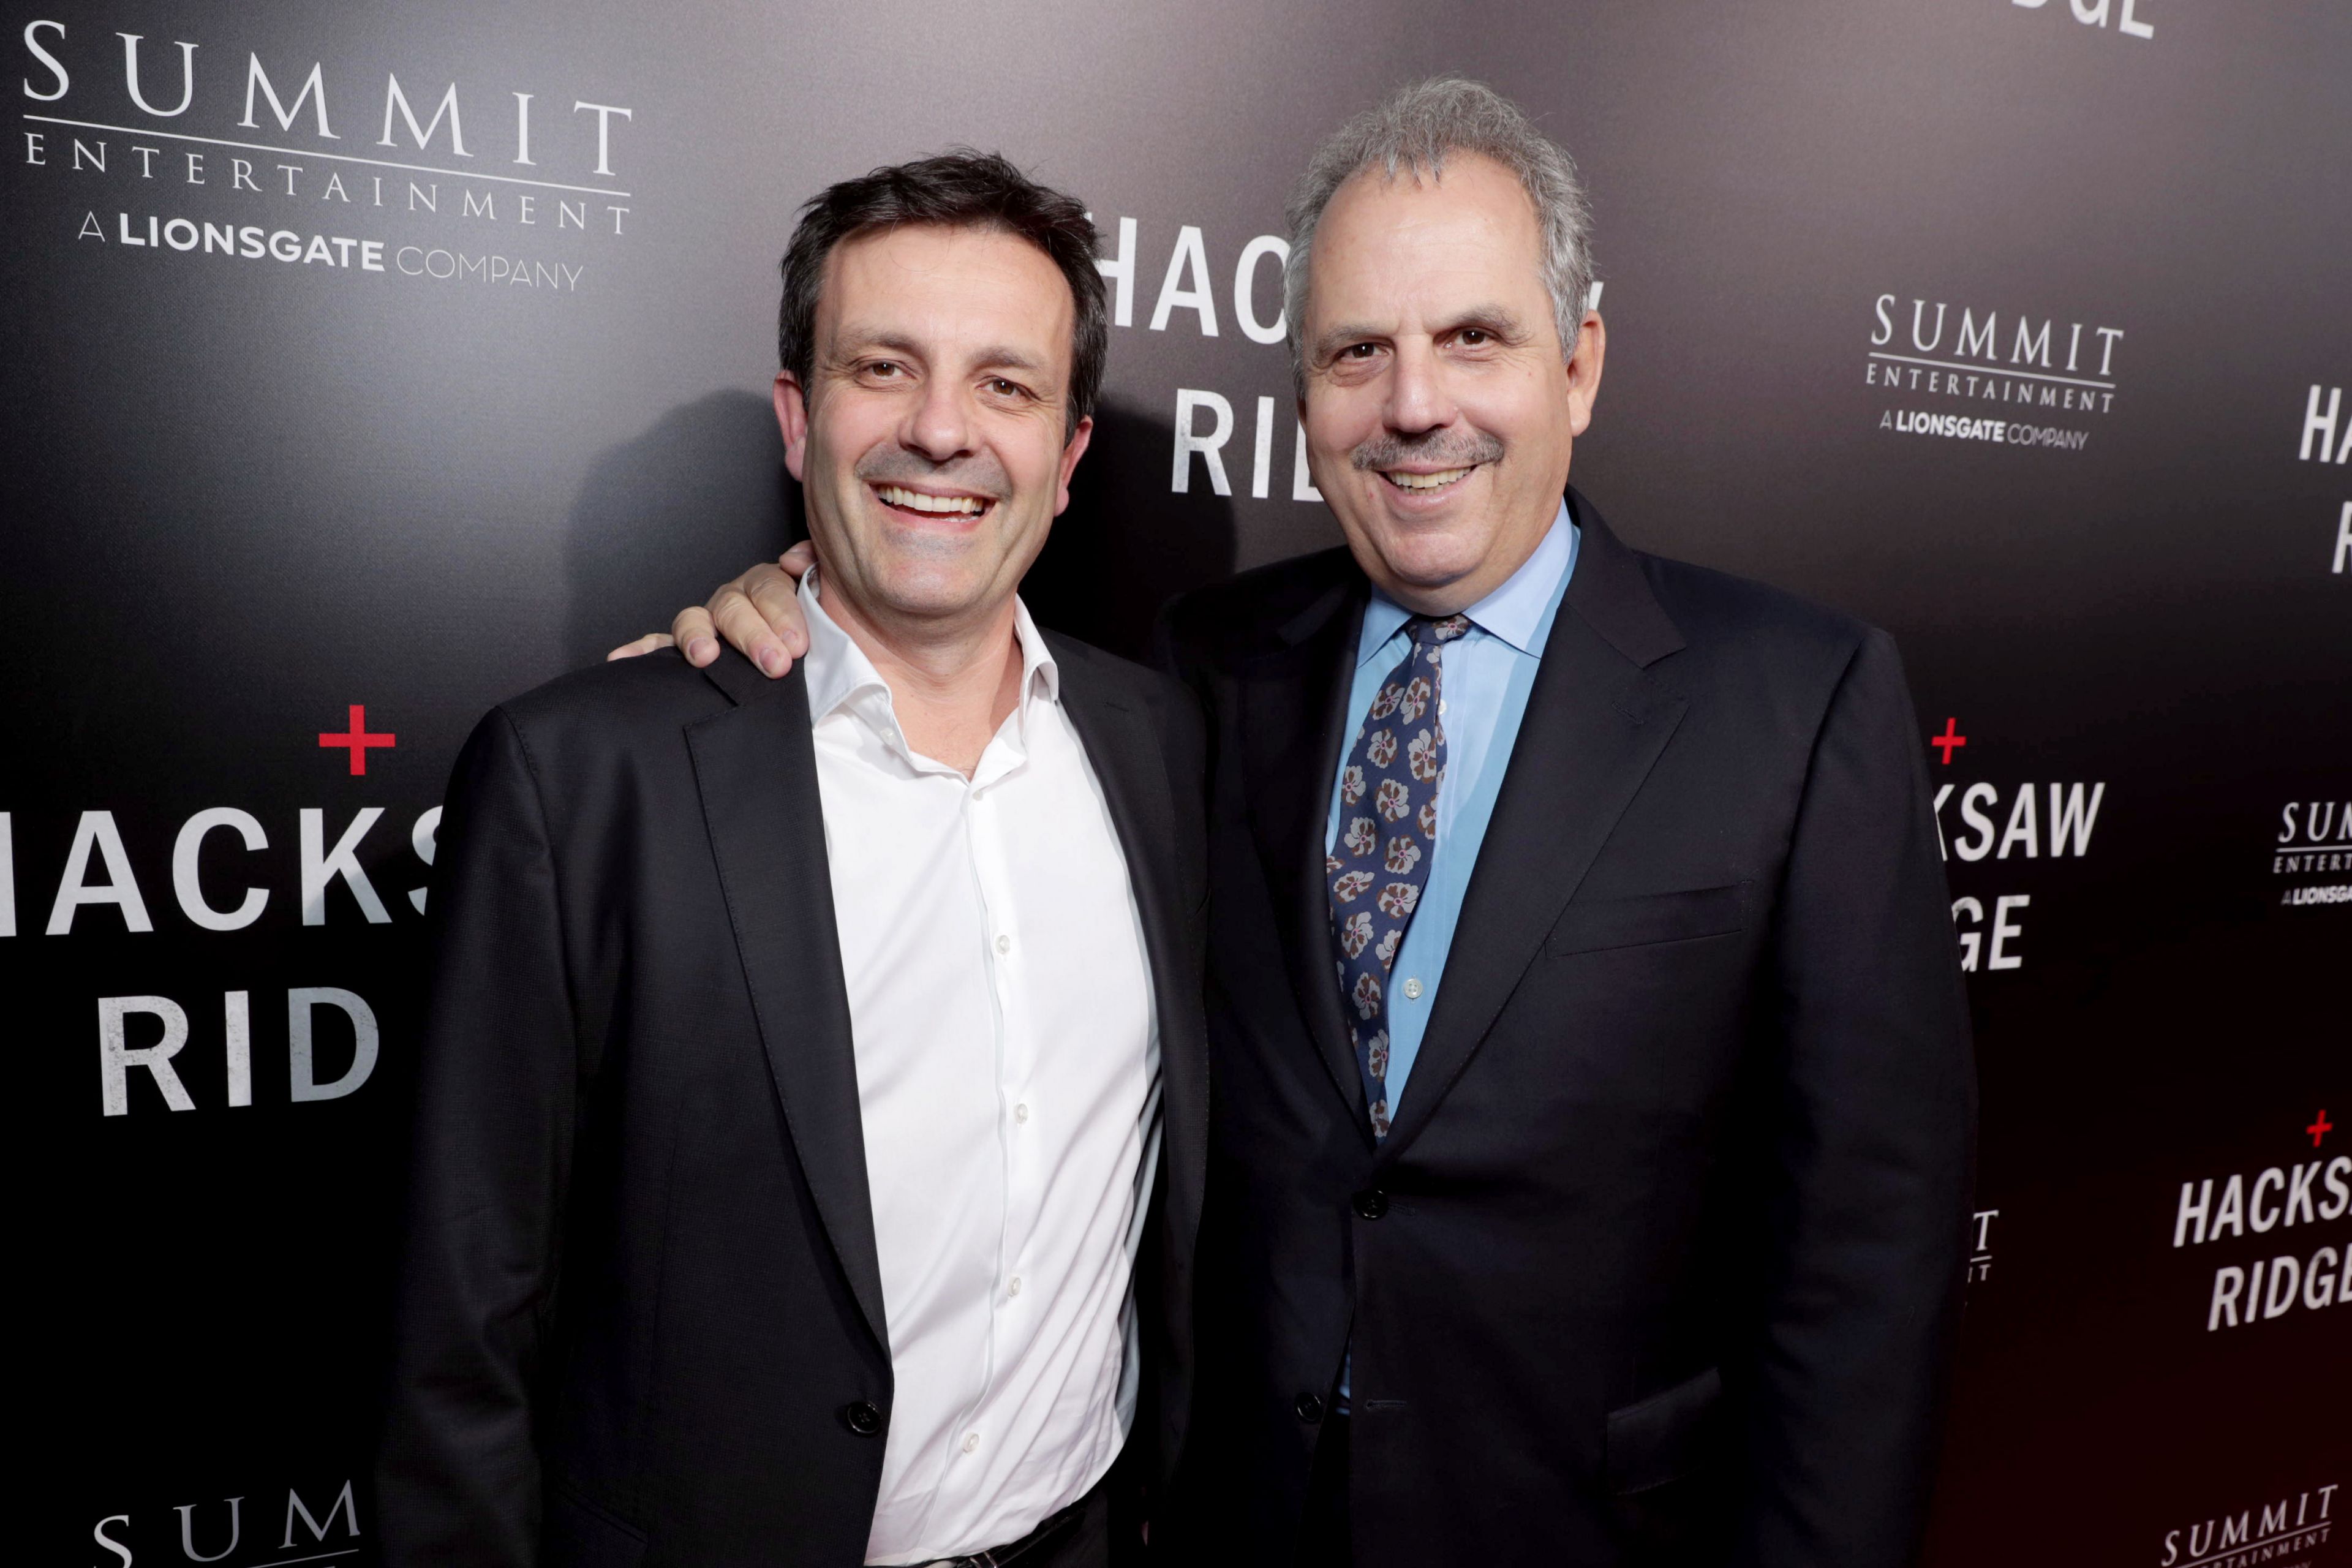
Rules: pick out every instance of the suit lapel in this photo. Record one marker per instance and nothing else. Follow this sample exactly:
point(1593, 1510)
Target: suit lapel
point(1294, 723)
point(1596, 721)
point(755, 768)
point(1126, 756)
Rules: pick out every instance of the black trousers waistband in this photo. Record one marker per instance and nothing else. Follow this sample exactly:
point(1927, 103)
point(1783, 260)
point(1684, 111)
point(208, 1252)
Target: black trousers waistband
point(1042, 1544)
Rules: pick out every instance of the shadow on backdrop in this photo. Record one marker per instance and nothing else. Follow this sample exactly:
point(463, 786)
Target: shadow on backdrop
point(666, 517)
point(1127, 545)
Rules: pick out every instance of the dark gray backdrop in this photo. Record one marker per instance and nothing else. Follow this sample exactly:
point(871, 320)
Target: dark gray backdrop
point(246, 494)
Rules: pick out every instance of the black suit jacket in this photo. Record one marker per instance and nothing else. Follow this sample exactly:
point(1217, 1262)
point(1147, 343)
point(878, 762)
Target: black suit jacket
point(642, 1317)
point(1661, 1258)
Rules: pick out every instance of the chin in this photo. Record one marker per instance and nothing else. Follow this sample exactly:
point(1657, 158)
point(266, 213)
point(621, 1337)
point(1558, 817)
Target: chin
point(928, 599)
point(1429, 559)
point(931, 595)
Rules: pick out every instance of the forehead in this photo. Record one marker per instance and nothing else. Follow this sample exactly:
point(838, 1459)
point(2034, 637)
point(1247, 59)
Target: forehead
point(1411, 244)
point(948, 289)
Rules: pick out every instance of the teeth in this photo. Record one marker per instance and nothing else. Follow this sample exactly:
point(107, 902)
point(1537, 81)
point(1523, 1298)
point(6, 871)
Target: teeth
point(916, 500)
point(1437, 481)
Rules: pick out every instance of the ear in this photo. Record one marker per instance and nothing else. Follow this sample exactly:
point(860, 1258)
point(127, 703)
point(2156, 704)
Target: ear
point(792, 418)
point(1072, 450)
point(1585, 371)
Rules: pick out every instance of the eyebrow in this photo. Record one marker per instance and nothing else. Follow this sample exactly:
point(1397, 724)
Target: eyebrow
point(1005, 358)
point(1342, 336)
point(1496, 317)
point(998, 356)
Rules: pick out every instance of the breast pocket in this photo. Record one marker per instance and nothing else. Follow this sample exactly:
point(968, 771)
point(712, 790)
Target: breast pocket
point(1588, 926)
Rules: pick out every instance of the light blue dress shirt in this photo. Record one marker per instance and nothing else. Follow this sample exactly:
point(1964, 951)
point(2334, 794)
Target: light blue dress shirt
point(1489, 671)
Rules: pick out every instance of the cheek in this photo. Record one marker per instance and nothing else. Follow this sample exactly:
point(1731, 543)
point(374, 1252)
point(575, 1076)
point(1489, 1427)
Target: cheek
point(1033, 464)
point(836, 441)
point(1530, 414)
point(1336, 427)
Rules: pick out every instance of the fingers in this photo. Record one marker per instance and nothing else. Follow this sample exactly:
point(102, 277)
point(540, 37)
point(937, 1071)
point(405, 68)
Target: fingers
point(776, 596)
point(759, 614)
point(691, 631)
point(741, 622)
point(646, 644)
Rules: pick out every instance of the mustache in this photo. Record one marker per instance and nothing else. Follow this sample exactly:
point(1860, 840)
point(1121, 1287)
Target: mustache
point(1448, 449)
point(978, 475)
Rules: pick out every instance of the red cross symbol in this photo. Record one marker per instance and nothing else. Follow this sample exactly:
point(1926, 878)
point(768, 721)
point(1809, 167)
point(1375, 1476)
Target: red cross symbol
point(1948, 739)
point(358, 740)
point(2321, 1128)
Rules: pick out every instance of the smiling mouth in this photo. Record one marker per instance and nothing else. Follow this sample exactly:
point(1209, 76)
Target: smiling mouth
point(1424, 483)
point(922, 503)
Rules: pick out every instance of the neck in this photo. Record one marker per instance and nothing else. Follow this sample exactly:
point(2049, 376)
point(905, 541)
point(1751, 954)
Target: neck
point(953, 680)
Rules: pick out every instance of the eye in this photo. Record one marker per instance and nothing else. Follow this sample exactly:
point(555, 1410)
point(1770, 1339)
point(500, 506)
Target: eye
point(1473, 337)
point(1360, 350)
point(884, 370)
point(1003, 388)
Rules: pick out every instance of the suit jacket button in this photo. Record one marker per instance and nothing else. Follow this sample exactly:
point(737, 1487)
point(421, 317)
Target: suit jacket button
point(1371, 1202)
point(862, 1418)
point(1309, 1408)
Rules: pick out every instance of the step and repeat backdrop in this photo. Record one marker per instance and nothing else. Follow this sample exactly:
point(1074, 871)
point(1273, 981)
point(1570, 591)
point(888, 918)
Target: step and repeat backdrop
point(368, 364)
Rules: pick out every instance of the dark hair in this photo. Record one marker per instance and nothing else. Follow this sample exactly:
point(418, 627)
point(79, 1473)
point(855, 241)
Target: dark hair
point(960, 189)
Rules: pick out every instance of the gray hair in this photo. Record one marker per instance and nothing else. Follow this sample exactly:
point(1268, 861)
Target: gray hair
point(1413, 133)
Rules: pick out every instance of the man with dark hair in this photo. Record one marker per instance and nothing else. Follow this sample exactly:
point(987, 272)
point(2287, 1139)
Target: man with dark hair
point(958, 190)
point(1590, 1173)
point(813, 1094)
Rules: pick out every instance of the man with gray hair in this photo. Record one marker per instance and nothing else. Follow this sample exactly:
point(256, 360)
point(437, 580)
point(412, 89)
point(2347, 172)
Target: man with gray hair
point(1593, 1128)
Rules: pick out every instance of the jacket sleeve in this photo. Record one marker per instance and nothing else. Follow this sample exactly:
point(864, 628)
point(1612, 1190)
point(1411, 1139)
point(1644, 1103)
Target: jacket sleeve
point(1872, 1148)
point(458, 1477)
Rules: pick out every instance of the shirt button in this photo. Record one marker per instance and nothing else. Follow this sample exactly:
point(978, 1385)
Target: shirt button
point(971, 1442)
point(1004, 944)
point(1020, 1114)
point(1412, 990)
point(1440, 707)
point(1014, 1287)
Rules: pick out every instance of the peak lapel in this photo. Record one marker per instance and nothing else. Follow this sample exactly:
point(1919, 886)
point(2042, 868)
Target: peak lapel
point(1597, 718)
point(755, 768)
point(1294, 722)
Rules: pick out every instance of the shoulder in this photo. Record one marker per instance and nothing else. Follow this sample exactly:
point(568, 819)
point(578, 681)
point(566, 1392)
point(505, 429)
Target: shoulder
point(654, 689)
point(1088, 670)
point(1652, 606)
point(1720, 614)
point(1777, 658)
point(1252, 613)
point(610, 708)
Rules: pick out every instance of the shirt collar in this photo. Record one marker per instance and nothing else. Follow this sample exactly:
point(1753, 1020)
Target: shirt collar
point(839, 674)
point(1513, 612)
point(1039, 672)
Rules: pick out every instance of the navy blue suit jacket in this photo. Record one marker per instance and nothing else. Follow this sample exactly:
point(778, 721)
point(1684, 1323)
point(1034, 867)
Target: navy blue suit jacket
point(1661, 1259)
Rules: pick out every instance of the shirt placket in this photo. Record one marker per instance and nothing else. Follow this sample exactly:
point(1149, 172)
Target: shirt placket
point(986, 810)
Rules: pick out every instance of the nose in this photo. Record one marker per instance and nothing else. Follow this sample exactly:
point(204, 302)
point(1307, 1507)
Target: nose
point(1418, 400)
point(938, 425)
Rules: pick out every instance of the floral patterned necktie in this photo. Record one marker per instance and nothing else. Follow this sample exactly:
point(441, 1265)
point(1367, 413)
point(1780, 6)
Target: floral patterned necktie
point(1388, 831)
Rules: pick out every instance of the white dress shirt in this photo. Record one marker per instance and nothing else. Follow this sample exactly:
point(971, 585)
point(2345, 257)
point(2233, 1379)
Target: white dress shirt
point(1008, 1078)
